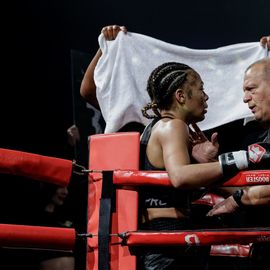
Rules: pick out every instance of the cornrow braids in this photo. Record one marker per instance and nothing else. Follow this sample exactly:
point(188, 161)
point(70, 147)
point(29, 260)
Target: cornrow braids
point(153, 107)
point(163, 82)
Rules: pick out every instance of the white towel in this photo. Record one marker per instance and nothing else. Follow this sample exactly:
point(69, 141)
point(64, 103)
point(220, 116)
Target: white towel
point(122, 71)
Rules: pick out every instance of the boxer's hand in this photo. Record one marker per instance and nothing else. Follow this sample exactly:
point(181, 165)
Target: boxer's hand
point(257, 157)
point(203, 150)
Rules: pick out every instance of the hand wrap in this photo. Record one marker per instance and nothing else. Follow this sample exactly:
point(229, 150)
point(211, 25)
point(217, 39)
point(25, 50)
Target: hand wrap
point(257, 157)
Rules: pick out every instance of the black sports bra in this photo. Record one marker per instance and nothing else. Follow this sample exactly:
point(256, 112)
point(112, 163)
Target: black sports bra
point(154, 196)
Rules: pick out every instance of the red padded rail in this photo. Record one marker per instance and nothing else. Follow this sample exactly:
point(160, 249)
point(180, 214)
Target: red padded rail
point(33, 166)
point(37, 237)
point(160, 178)
point(198, 238)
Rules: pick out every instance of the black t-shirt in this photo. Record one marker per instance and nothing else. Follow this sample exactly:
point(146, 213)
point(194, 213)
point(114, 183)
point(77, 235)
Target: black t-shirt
point(257, 216)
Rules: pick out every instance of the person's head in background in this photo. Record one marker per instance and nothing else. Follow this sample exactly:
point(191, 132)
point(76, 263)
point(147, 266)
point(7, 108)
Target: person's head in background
point(256, 88)
point(57, 199)
point(52, 197)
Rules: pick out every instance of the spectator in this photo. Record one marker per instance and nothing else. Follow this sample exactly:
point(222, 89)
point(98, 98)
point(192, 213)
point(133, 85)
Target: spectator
point(53, 215)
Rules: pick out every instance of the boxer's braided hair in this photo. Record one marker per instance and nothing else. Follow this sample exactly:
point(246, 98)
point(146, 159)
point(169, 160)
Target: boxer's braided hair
point(162, 83)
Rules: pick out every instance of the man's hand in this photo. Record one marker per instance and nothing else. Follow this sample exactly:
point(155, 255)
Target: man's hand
point(265, 41)
point(227, 206)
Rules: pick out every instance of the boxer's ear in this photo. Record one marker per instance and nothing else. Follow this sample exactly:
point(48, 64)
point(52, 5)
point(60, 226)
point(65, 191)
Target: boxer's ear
point(180, 96)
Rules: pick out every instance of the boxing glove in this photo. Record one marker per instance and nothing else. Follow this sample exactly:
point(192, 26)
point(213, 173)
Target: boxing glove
point(257, 157)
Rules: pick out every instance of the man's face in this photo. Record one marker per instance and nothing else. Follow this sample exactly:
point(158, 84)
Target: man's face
point(257, 93)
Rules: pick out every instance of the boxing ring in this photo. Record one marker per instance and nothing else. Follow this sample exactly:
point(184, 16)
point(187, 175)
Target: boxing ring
point(112, 229)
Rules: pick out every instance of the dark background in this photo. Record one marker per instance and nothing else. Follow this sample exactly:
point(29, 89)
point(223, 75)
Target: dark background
point(39, 35)
point(37, 42)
